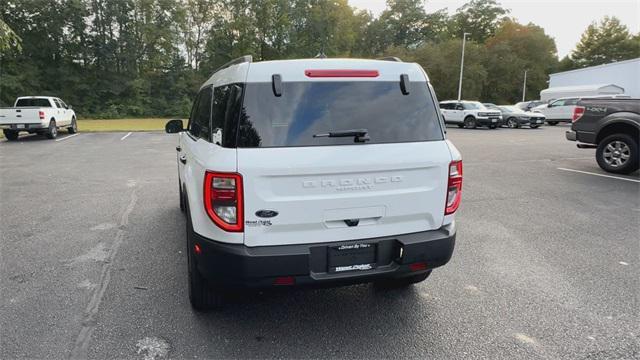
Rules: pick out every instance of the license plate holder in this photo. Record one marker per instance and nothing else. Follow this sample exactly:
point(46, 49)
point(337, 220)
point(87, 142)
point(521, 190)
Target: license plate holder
point(352, 257)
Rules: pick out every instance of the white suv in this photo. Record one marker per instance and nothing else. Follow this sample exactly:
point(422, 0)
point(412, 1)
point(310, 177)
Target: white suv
point(470, 114)
point(317, 171)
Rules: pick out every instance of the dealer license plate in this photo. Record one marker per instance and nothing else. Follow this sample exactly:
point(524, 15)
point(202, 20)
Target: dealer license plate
point(353, 257)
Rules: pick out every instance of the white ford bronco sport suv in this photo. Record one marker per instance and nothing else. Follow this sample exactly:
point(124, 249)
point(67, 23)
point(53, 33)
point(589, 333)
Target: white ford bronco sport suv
point(470, 114)
point(315, 172)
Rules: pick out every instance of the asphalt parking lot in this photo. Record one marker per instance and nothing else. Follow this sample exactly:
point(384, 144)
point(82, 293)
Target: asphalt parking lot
point(92, 263)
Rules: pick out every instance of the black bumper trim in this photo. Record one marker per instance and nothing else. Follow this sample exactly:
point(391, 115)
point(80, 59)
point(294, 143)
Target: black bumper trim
point(488, 121)
point(570, 135)
point(236, 265)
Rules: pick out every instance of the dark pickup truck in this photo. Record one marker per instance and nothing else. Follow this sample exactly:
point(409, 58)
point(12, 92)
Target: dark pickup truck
point(612, 127)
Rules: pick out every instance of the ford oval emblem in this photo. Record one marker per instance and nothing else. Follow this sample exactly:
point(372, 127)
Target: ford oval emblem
point(266, 213)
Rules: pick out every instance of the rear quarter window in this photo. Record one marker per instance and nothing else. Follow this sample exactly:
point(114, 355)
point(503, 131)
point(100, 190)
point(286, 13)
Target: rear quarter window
point(308, 108)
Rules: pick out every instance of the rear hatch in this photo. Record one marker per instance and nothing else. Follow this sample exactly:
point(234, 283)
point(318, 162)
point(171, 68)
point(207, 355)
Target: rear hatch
point(300, 188)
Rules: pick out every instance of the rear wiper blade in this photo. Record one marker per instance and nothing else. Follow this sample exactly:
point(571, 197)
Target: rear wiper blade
point(360, 135)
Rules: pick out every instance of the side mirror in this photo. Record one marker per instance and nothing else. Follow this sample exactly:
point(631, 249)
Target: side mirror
point(174, 126)
point(69, 107)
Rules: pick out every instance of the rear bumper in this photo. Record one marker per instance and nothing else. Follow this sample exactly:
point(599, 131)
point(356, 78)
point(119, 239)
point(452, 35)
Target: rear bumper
point(239, 266)
point(533, 121)
point(570, 135)
point(23, 127)
point(581, 136)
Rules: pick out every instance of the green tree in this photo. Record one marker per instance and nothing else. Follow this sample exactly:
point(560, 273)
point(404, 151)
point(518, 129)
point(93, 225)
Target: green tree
point(605, 42)
point(513, 49)
point(8, 39)
point(442, 63)
point(566, 64)
point(195, 18)
point(480, 18)
point(405, 24)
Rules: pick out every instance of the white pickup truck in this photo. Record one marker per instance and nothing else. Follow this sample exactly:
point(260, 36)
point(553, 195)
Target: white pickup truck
point(37, 114)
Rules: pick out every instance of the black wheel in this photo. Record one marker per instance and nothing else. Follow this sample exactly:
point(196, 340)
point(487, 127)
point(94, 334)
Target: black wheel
point(403, 281)
point(74, 126)
point(52, 131)
point(512, 123)
point(618, 153)
point(552, 123)
point(534, 126)
point(470, 122)
point(460, 126)
point(11, 135)
point(202, 294)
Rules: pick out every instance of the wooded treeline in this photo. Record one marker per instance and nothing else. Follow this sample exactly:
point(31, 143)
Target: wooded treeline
point(117, 58)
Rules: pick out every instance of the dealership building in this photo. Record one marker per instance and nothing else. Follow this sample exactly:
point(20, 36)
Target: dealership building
point(618, 77)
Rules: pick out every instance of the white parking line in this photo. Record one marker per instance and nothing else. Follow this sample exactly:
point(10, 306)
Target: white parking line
point(124, 137)
point(596, 174)
point(66, 137)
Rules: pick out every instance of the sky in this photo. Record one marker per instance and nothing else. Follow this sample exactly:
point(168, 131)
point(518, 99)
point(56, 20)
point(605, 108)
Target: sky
point(563, 20)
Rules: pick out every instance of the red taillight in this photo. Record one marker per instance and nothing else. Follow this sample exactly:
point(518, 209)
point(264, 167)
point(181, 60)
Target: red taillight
point(284, 280)
point(223, 200)
point(197, 249)
point(577, 113)
point(454, 188)
point(41, 115)
point(418, 266)
point(341, 73)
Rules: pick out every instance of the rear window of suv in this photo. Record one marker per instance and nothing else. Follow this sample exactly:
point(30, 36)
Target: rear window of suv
point(308, 108)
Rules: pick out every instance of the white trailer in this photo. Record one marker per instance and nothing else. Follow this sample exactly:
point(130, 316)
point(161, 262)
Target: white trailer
point(580, 91)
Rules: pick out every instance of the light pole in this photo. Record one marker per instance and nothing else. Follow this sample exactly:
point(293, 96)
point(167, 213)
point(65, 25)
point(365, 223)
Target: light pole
point(464, 40)
point(524, 86)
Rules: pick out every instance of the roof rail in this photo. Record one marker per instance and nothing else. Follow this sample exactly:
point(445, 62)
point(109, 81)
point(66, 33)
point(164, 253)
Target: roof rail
point(240, 60)
point(390, 58)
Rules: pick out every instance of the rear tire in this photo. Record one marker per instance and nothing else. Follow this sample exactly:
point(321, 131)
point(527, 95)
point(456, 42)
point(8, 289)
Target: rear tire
point(52, 131)
point(202, 295)
point(618, 153)
point(403, 281)
point(11, 135)
point(552, 123)
point(74, 127)
point(470, 122)
point(534, 126)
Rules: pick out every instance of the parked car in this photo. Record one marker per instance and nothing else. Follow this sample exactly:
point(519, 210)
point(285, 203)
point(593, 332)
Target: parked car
point(37, 114)
point(315, 172)
point(491, 106)
point(528, 105)
point(514, 118)
point(559, 110)
point(469, 114)
point(612, 126)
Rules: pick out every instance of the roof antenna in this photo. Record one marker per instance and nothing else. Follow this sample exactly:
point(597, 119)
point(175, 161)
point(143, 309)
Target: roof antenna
point(321, 54)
